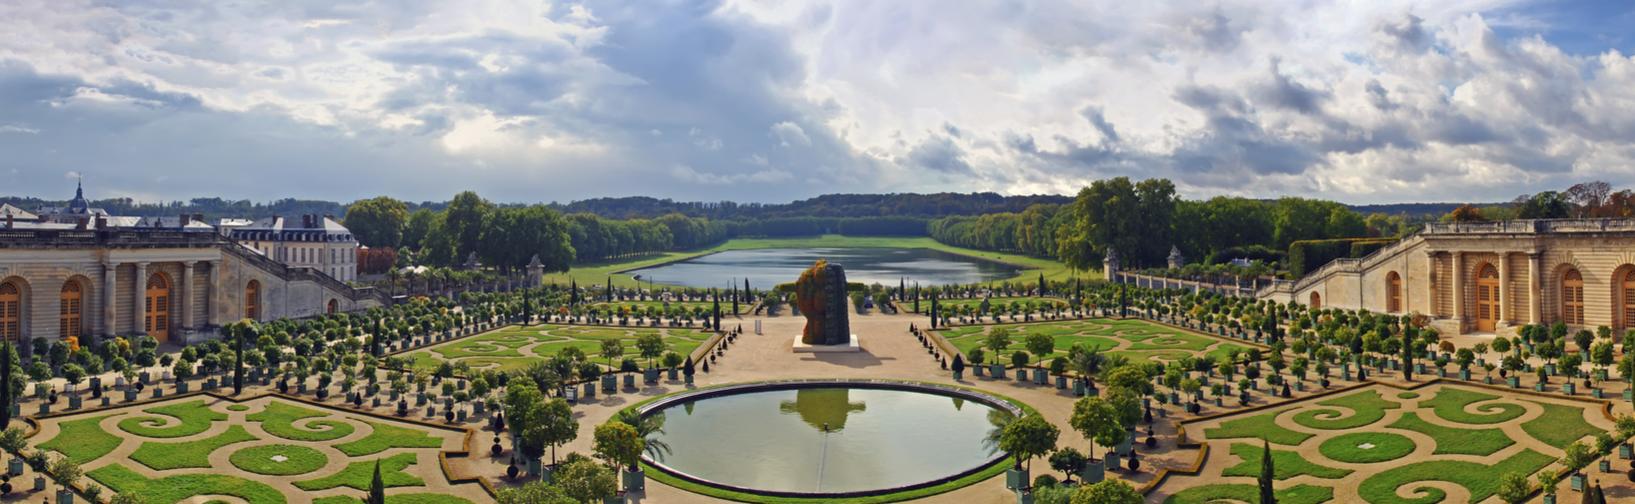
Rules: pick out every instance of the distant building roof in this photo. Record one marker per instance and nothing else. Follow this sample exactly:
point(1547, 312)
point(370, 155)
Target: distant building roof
point(307, 228)
point(16, 214)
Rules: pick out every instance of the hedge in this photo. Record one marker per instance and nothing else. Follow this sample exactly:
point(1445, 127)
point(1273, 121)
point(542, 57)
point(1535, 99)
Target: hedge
point(1308, 255)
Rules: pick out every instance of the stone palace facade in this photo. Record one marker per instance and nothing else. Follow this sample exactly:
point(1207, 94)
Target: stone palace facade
point(171, 280)
point(1488, 277)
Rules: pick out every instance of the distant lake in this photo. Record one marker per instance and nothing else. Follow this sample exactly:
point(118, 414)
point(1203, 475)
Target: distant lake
point(768, 267)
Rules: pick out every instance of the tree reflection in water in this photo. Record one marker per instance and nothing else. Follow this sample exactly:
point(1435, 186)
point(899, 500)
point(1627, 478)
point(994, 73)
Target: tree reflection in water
point(820, 407)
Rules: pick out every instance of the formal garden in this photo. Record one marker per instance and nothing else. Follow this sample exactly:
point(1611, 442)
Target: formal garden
point(514, 348)
point(261, 450)
point(1044, 342)
point(1387, 445)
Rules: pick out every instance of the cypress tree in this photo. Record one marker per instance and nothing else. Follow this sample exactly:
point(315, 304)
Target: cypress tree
point(1041, 284)
point(238, 355)
point(1408, 353)
point(377, 488)
point(1266, 474)
point(716, 308)
point(735, 298)
point(5, 384)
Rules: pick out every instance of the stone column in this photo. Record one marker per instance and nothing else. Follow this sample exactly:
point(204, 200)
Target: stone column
point(1459, 289)
point(110, 298)
point(1535, 304)
point(1430, 283)
point(210, 307)
point(187, 295)
point(1504, 287)
point(138, 299)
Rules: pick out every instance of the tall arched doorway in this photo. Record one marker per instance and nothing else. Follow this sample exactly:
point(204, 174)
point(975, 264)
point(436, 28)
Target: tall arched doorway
point(157, 307)
point(1316, 301)
point(1487, 298)
point(1626, 297)
point(1393, 293)
point(1572, 297)
point(70, 314)
point(11, 312)
point(334, 306)
point(252, 300)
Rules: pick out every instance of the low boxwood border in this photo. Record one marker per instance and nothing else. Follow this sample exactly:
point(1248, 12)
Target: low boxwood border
point(992, 469)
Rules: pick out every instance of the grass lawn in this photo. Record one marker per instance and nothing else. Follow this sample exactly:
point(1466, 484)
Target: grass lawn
point(1207, 494)
point(708, 307)
point(1450, 403)
point(278, 459)
point(1560, 425)
point(1145, 341)
point(279, 418)
point(385, 437)
point(1262, 426)
point(419, 498)
point(82, 440)
point(1367, 407)
point(162, 456)
point(357, 475)
point(1285, 464)
point(509, 348)
point(1452, 441)
point(195, 417)
point(1031, 267)
point(1480, 479)
point(1366, 447)
point(999, 303)
point(178, 488)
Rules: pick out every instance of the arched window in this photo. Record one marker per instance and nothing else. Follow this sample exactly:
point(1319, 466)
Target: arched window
point(1393, 293)
point(1316, 301)
point(11, 312)
point(333, 307)
point(1572, 298)
point(69, 315)
point(252, 300)
point(157, 308)
point(1626, 289)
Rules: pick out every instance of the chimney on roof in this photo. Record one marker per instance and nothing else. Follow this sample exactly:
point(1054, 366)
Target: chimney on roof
point(9, 219)
point(80, 224)
point(102, 222)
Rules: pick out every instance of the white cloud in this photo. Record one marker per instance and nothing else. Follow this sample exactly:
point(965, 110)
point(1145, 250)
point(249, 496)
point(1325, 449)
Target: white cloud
point(1390, 100)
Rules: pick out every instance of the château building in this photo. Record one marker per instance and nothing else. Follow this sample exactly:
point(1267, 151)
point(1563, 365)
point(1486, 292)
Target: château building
point(76, 271)
point(317, 242)
point(1488, 277)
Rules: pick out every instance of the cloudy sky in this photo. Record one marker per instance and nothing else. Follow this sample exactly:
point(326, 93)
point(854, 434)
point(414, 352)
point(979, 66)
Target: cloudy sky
point(1376, 101)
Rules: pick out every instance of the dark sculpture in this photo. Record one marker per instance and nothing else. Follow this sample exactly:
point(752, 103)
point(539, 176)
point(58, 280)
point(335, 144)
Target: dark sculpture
point(821, 297)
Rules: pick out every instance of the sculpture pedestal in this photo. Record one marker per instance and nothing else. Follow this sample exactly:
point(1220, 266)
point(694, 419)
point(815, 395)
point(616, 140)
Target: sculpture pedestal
point(801, 347)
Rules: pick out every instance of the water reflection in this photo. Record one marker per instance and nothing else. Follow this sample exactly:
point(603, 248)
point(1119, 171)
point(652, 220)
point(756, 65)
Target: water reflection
point(825, 408)
point(865, 265)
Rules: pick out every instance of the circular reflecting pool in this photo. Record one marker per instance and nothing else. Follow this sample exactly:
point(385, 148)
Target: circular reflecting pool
point(828, 438)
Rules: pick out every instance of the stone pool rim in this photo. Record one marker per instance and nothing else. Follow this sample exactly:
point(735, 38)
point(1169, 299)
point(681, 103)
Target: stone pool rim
point(989, 400)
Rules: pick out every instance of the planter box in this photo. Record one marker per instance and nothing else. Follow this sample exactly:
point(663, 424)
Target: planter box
point(688, 378)
point(997, 370)
point(1578, 482)
point(1606, 465)
point(1039, 376)
point(674, 374)
point(1061, 382)
point(1094, 471)
point(629, 380)
point(181, 387)
point(1464, 374)
point(650, 376)
point(1569, 388)
point(977, 369)
point(15, 467)
point(1021, 375)
point(65, 497)
point(958, 375)
point(1078, 388)
point(610, 384)
point(74, 402)
point(1625, 451)
point(634, 481)
point(1515, 382)
point(1016, 478)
